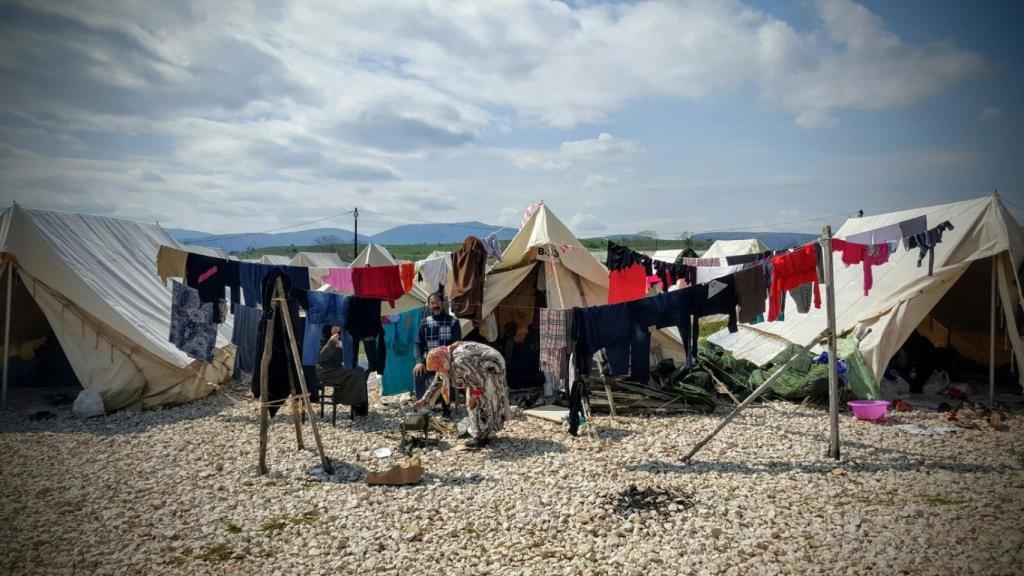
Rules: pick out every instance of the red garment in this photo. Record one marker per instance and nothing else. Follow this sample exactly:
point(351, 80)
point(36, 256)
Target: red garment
point(627, 284)
point(790, 271)
point(875, 255)
point(407, 271)
point(379, 282)
point(868, 255)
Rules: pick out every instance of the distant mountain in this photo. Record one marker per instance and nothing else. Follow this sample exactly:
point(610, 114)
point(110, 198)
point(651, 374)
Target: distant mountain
point(773, 240)
point(439, 233)
point(180, 234)
point(250, 241)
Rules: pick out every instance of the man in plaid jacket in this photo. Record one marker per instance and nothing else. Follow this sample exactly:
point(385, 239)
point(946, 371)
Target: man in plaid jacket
point(438, 328)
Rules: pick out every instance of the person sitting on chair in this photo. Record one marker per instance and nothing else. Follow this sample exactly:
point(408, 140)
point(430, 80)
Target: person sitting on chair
point(438, 328)
point(349, 383)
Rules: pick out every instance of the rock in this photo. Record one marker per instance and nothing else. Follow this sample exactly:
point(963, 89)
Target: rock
point(413, 533)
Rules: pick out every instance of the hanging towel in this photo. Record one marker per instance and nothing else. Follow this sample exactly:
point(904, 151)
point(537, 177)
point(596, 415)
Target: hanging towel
point(706, 274)
point(407, 272)
point(170, 263)
point(627, 284)
point(433, 272)
point(380, 282)
point(340, 279)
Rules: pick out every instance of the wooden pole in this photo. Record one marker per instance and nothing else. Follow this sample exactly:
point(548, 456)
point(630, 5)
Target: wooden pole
point(7, 330)
point(991, 339)
point(753, 396)
point(286, 315)
point(268, 344)
point(296, 415)
point(833, 361)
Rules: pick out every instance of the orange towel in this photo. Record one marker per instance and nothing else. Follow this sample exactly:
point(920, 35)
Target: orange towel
point(407, 272)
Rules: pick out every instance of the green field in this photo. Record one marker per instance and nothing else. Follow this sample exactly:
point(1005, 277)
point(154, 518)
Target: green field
point(413, 252)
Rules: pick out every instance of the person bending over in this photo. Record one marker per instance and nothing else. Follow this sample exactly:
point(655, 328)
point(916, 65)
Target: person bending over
point(479, 370)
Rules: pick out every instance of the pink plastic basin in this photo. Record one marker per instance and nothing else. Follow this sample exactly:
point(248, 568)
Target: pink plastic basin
point(868, 409)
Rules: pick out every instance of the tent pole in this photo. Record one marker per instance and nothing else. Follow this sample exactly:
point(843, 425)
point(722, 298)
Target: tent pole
point(7, 331)
point(753, 396)
point(991, 339)
point(833, 374)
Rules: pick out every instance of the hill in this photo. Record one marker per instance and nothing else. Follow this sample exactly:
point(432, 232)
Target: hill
point(180, 234)
point(440, 233)
point(249, 241)
point(773, 240)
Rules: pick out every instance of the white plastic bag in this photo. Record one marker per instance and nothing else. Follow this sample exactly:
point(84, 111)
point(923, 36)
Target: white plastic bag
point(88, 404)
point(894, 389)
point(937, 383)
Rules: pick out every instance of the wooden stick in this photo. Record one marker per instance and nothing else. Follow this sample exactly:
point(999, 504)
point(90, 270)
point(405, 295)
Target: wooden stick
point(268, 345)
point(6, 331)
point(611, 401)
point(286, 314)
point(296, 411)
point(753, 396)
point(833, 361)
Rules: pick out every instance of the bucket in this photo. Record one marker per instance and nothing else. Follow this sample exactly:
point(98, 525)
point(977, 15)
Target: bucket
point(869, 409)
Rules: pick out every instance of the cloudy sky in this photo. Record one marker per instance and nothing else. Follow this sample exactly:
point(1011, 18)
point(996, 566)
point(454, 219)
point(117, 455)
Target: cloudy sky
point(665, 115)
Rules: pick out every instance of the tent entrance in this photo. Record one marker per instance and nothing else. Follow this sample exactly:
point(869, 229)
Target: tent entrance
point(956, 338)
point(39, 375)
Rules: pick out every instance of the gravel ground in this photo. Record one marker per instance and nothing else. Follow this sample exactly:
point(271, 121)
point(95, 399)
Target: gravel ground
point(174, 492)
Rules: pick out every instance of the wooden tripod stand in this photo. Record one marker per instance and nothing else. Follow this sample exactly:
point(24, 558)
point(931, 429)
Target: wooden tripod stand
point(299, 396)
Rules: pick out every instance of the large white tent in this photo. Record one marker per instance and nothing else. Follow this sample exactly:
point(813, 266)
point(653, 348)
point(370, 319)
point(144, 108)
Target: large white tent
point(94, 280)
point(274, 259)
point(982, 253)
point(318, 260)
point(573, 276)
point(723, 248)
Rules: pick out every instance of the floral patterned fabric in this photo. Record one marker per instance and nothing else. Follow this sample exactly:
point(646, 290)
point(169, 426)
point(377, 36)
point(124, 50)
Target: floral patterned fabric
point(193, 329)
point(480, 370)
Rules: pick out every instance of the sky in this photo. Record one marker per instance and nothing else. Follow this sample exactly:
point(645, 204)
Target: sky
point(673, 116)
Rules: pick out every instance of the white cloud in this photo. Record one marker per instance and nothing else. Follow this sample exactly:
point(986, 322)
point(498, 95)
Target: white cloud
point(269, 106)
point(990, 113)
point(583, 222)
point(812, 119)
point(604, 148)
point(595, 181)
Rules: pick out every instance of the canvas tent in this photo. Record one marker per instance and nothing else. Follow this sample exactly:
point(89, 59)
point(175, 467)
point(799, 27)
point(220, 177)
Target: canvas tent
point(982, 253)
point(377, 255)
point(93, 281)
point(374, 255)
point(318, 260)
point(273, 259)
point(572, 275)
point(723, 248)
